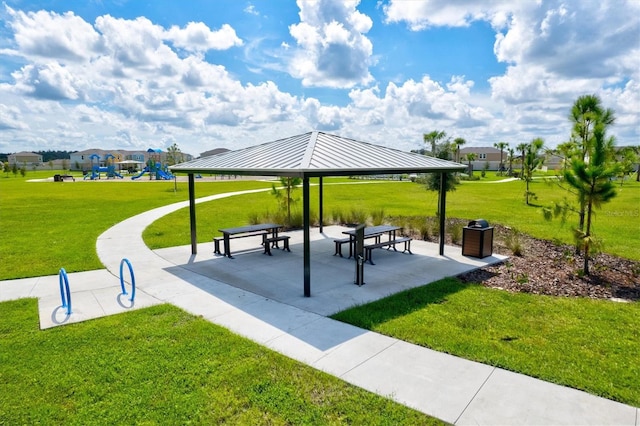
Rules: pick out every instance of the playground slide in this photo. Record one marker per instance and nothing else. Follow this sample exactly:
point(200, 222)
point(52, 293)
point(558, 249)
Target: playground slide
point(145, 170)
point(164, 175)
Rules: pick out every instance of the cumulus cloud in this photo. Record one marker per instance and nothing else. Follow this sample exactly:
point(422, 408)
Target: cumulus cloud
point(48, 81)
point(197, 36)
point(10, 118)
point(333, 50)
point(50, 35)
point(555, 51)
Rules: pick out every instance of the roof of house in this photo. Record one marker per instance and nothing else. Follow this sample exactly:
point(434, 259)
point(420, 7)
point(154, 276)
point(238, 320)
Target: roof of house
point(316, 154)
point(480, 150)
point(23, 153)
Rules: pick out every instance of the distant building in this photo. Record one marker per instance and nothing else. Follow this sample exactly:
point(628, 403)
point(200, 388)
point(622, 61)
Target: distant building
point(485, 155)
point(25, 158)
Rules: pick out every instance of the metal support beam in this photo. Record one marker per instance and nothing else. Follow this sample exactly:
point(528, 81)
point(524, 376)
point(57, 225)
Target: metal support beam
point(192, 213)
point(441, 209)
point(307, 239)
point(320, 202)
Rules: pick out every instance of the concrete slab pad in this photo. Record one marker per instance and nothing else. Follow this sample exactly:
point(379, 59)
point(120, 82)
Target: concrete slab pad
point(114, 302)
point(84, 306)
point(506, 398)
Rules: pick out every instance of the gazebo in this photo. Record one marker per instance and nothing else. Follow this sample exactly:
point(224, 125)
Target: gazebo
point(310, 155)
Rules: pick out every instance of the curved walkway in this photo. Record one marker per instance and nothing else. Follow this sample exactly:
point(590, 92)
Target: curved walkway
point(450, 388)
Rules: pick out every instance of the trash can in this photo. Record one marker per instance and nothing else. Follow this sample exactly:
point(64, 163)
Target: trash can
point(57, 178)
point(477, 239)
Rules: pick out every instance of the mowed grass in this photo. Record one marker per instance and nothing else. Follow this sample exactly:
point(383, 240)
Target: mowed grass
point(592, 345)
point(617, 224)
point(161, 365)
point(49, 225)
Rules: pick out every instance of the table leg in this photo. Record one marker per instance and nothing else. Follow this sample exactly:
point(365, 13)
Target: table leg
point(227, 248)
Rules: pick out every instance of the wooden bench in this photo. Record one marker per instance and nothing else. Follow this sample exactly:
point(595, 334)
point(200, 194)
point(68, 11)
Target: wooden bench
point(218, 240)
point(389, 244)
point(273, 241)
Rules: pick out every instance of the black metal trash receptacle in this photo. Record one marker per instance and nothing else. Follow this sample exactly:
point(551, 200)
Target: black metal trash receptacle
point(57, 178)
point(477, 239)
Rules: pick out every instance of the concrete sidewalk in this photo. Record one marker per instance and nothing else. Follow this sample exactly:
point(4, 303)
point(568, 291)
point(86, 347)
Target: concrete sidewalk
point(252, 303)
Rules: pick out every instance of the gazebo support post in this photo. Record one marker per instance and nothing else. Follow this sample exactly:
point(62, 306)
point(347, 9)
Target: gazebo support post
point(320, 202)
point(441, 209)
point(307, 239)
point(192, 213)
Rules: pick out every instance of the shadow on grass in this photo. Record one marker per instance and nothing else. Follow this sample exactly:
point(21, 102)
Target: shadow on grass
point(400, 304)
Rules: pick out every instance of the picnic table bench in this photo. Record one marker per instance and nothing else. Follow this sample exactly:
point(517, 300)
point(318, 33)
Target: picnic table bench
point(376, 233)
point(263, 230)
point(390, 244)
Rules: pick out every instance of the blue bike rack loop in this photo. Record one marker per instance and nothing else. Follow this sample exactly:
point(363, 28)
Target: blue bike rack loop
point(65, 293)
point(133, 279)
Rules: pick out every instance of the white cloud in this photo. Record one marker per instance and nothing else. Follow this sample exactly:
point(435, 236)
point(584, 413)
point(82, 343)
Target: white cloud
point(48, 81)
point(50, 35)
point(10, 118)
point(420, 15)
point(555, 51)
point(333, 50)
point(197, 36)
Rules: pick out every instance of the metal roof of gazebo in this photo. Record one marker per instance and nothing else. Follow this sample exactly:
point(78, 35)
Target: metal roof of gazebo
point(315, 154)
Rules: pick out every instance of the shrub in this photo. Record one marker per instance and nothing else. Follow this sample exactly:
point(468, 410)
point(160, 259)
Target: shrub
point(455, 230)
point(377, 217)
point(513, 243)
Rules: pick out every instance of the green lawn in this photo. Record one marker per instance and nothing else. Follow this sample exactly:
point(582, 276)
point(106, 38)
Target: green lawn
point(593, 345)
point(49, 225)
point(499, 203)
point(161, 365)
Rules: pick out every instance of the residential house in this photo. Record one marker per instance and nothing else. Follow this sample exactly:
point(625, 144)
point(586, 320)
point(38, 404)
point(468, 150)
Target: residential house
point(486, 157)
point(25, 158)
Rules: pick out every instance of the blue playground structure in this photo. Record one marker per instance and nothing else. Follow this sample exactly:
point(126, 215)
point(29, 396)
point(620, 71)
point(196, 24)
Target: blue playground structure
point(96, 169)
point(155, 170)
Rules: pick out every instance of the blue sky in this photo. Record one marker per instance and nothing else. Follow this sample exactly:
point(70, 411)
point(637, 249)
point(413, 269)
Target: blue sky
point(232, 73)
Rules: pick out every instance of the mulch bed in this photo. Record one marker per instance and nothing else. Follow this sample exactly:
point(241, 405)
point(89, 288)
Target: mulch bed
point(545, 267)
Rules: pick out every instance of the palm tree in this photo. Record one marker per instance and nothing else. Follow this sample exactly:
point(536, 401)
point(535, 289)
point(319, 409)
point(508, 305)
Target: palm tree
point(510, 156)
point(433, 138)
point(458, 142)
point(592, 180)
point(532, 160)
point(501, 146)
point(521, 149)
point(566, 150)
point(471, 157)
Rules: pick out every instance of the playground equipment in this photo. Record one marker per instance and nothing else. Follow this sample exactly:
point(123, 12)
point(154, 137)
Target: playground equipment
point(96, 169)
point(155, 170)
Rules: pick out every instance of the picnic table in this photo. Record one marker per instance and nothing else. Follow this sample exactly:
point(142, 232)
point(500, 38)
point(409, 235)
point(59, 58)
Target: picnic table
point(375, 232)
point(262, 229)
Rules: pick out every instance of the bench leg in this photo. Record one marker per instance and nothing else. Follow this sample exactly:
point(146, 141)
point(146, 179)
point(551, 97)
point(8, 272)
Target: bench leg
point(367, 256)
point(267, 249)
point(407, 246)
point(216, 246)
point(286, 245)
point(338, 249)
